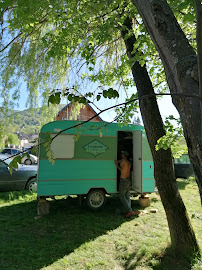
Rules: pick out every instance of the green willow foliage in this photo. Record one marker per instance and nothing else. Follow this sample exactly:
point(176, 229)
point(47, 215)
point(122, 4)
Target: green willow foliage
point(49, 38)
point(55, 44)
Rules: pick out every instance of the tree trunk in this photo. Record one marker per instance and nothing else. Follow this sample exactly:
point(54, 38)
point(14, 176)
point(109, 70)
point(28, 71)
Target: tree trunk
point(182, 235)
point(199, 47)
point(180, 64)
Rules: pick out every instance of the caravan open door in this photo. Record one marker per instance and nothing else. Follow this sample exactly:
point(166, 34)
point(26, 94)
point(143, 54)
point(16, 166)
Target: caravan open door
point(137, 161)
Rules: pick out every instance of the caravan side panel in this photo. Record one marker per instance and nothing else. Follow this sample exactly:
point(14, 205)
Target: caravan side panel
point(69, 177)
point(148, 181)
point(79, 166)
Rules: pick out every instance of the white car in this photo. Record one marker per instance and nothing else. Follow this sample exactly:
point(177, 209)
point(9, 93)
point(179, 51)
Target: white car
point(25, 160)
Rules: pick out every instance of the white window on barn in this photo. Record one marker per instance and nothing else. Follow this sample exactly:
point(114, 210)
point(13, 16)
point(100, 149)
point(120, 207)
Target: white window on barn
point(63, 146)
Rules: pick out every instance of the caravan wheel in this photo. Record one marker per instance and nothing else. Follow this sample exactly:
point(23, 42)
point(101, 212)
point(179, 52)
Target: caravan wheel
point(96, 199)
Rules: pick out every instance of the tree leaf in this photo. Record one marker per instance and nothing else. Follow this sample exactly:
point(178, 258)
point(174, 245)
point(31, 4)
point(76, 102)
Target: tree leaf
point(54, 98)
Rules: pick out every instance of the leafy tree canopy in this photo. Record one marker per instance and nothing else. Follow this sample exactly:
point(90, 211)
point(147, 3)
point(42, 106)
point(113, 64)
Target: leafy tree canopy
point(12, 139)
point(49, 40)
point(60, 46)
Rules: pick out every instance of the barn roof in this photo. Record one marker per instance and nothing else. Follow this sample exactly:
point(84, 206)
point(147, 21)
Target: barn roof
point(86, 104)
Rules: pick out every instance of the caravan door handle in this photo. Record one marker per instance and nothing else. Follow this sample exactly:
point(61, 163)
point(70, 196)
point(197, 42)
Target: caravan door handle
point(140, 158)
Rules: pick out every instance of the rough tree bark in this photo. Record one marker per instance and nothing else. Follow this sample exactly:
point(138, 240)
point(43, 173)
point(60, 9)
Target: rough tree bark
point(182, 235)
point(199, 47)
point(180, 64)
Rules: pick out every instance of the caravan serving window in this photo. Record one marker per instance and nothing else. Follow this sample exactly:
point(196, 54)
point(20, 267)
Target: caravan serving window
point(63, 146)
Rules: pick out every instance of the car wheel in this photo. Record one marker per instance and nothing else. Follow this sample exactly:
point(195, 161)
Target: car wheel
point(32, 185)
point(28, 162)
point(96, 199)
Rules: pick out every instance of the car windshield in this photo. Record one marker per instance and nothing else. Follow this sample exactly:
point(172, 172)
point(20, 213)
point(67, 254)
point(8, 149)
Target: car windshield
point(6, 151)
point(15, 151)
point(10, 151)
point(184, 159)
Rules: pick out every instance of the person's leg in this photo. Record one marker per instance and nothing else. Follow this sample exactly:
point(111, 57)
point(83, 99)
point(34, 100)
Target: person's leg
point(127, 194)
point(128, 198)
point(123, 195)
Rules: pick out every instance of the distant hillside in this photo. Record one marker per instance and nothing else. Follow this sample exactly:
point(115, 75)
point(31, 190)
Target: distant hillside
point(26, 117)
point(27, 121)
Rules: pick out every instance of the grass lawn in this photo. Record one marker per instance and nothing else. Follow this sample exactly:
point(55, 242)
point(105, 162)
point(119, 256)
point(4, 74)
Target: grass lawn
point(74, 237)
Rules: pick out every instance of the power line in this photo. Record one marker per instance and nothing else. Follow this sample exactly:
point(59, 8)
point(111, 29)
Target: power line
point(109, 108)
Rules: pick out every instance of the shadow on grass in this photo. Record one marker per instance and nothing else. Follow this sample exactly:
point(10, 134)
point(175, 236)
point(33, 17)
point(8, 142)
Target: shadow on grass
point(27, 243)
point(182, 183)
point(168, 261)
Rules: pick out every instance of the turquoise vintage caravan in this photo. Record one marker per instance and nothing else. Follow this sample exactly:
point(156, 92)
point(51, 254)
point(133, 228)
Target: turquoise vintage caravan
point(85, 166)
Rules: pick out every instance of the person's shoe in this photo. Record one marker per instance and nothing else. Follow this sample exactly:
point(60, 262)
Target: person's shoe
point(129, 214)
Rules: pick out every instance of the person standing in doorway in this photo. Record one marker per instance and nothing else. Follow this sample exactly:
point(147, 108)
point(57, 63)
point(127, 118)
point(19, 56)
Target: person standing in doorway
point(125, 183)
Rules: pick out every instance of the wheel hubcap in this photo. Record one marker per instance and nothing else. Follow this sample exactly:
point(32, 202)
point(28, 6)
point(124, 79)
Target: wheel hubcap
point(33, 187)
point(28, 162)
point(96, 199)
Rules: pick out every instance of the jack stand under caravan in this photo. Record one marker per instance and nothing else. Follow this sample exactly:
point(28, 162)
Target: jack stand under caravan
point(85, 166)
